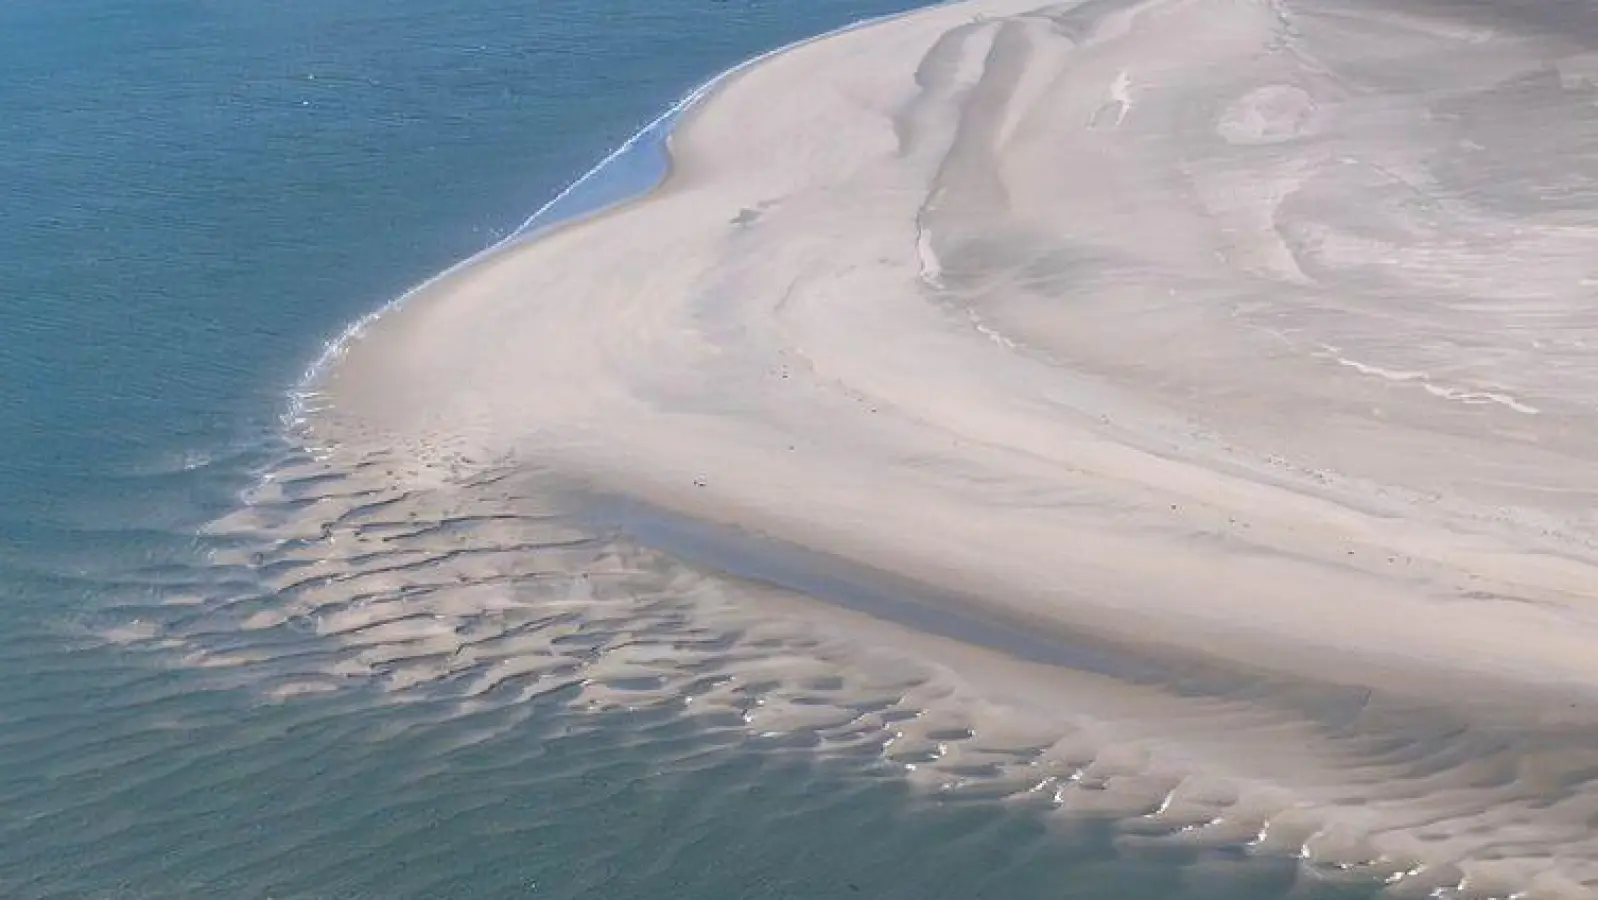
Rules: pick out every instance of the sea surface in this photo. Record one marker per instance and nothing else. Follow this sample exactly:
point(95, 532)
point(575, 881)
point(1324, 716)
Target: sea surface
point(198, 197)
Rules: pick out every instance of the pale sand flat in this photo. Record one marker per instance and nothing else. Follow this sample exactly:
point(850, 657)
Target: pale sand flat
point(1233, 481)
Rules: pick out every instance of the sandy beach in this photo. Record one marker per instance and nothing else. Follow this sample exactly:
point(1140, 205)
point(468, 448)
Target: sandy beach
point(1246, 337)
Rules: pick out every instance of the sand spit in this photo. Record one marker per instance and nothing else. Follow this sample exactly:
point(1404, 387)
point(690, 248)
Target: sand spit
point(1252, 317)
point(1246, 332)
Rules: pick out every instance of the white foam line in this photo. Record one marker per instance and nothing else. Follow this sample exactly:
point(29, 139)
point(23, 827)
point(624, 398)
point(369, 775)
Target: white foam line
point(1473, 398)
point(303, 397)
point(1378, 371)
point(931, 266)
point(1120, 92)
point(989, 331)
point(1460, 395)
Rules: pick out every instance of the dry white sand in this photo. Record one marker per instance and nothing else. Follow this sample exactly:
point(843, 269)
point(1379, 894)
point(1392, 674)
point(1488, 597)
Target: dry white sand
point(1242, 331)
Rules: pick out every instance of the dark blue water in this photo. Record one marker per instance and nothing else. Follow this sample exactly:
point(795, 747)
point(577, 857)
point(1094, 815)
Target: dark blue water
point(197, 196)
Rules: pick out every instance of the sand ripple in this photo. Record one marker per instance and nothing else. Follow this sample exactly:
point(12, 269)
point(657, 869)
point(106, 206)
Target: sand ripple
point(353, 587)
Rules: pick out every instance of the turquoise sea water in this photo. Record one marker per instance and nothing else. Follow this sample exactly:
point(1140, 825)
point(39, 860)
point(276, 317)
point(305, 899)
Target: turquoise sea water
point(198, 195)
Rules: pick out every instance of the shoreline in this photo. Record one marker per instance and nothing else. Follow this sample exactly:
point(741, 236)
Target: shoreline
point(302, 397)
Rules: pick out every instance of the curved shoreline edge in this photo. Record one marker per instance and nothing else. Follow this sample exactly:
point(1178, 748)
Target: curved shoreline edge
point(941, 312)
point(302, 396)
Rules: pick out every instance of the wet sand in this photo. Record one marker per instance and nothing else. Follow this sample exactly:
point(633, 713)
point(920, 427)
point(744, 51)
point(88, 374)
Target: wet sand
point(1253, 337)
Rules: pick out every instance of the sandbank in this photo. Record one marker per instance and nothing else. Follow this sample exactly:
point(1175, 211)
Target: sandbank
point(1257, 333)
